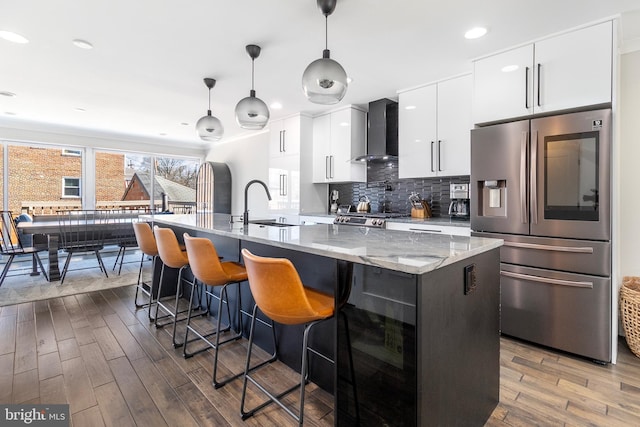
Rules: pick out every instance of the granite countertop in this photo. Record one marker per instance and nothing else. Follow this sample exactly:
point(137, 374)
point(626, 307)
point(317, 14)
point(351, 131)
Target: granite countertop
point(444, 220)
point(414, 253)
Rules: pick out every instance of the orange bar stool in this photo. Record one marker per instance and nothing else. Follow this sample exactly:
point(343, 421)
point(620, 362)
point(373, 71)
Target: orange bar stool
point(208, 270)
point(281, 296)
point(172, 256)
point(147, 244)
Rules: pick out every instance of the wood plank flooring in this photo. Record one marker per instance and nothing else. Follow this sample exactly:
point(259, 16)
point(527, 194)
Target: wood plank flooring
point(97, 353)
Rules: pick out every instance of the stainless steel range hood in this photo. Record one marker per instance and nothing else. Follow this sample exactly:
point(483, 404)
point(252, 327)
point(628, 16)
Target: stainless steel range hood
point(382, 136)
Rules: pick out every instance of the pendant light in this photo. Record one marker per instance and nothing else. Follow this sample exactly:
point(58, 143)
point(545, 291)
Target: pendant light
point(251, 112)
point(209, 128)
point(325, 81)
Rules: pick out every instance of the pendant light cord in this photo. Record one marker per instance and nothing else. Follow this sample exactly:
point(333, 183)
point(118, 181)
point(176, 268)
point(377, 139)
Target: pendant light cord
point(326, 32)
point(209, 101)
point(252, 73)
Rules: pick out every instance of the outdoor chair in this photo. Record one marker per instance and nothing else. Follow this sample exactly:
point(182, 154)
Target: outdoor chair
point(82, 231)
point(12, 246)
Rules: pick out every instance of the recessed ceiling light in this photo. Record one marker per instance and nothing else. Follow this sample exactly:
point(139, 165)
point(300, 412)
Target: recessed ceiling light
point(410, 107)
point(509, 68)
point(276, 105)
point(475, 33)
point(82, 44)
point(344, 124)
point(79, 110)
point(13, 37)
point(8, 94)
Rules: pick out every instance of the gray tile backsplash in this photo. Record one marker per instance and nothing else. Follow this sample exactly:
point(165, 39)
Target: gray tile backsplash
point(387, 193)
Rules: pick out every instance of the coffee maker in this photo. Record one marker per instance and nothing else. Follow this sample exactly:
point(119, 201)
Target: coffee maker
point(459, 206)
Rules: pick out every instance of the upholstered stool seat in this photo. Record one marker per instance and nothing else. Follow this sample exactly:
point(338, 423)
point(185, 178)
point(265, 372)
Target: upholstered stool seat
point(211, 272)
point(280, 295)
point(172, 256)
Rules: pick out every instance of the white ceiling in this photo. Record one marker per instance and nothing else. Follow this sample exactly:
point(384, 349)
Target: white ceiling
point(144, 76)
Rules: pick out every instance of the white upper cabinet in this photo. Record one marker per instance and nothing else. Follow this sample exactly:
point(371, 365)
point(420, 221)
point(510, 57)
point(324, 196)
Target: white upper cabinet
point(574, 69)
point(561, 72)
point(338, 137)
point(434, 125)
point(502, 85)
point(290, 180)
point(285, 137)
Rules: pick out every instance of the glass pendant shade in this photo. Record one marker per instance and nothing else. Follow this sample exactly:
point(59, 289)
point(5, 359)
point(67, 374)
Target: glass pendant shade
point(324, 81)
point(252, 113)
point(209, 128)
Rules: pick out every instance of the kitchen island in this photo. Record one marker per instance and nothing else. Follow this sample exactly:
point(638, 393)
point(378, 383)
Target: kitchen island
point(421, 320)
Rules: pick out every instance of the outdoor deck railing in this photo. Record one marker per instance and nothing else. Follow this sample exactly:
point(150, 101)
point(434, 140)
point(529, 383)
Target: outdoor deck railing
point(50, 208)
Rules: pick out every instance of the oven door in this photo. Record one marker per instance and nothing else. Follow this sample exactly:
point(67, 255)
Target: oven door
point(566, 311)
point(570, 175)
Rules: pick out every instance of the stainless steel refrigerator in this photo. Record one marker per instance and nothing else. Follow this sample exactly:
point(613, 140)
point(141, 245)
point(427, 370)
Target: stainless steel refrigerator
point(543, 185)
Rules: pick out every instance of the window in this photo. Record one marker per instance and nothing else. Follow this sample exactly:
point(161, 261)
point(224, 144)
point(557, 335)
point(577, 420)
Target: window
point(70, 187)
point(68, 152)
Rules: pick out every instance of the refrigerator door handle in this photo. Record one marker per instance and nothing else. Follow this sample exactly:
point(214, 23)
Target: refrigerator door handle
point(533, 178)
point(571, 283)
point(572, 249)
point(523, 178)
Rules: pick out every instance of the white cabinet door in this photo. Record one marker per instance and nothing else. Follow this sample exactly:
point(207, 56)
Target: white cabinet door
point(574, 69)
point(417, 131)
point(502, 85)
point(347, 142)
point(454, 126)
point(284, 184)
point(284, 137)
point(338, 137)
point(565, 71)
point(321, 148)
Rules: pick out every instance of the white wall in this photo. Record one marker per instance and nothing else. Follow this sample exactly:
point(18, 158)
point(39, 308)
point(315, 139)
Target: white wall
point(629, 150)
point(248, 159)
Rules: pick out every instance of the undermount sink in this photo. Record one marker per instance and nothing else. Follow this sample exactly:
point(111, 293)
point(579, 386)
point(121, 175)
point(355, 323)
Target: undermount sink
point(271, 223)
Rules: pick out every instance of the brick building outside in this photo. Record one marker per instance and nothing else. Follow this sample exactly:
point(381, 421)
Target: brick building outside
point(46, 174)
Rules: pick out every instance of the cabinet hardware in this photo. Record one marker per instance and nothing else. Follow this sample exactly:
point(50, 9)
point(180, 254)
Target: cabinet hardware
point(284, 140)
point(526, 88)
point(280, 141)
point(432, 169)
point(539, 68)
point(284, 185)
point(326, 167)
point(425, 230)
point(439, 158)
point(547, 280)
point(331, 167)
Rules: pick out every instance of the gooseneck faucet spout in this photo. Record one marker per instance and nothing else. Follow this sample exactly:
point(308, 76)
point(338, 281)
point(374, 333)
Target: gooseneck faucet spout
point(245, 215)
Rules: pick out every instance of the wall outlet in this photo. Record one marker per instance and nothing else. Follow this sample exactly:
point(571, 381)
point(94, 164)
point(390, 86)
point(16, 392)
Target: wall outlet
point(470, 279)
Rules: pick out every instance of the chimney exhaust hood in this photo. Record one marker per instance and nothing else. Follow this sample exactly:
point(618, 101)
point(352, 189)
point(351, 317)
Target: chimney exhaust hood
point(382, 135)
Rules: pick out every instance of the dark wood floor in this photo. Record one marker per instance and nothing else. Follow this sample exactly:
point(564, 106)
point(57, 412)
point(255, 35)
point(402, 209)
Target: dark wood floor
point(97, 353)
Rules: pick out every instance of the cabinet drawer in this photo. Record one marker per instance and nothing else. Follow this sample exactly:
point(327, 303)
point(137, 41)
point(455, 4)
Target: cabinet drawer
point(428, 228)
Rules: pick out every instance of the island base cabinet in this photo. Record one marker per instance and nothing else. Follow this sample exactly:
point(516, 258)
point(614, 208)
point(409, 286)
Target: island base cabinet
point(459, 343)
point(425, 352)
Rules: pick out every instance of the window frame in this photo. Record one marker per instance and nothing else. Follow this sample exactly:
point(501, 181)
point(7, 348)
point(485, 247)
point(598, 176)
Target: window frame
point(64, 187)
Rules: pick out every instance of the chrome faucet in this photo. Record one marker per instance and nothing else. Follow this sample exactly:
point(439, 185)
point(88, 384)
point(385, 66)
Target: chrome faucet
point(245, 215)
